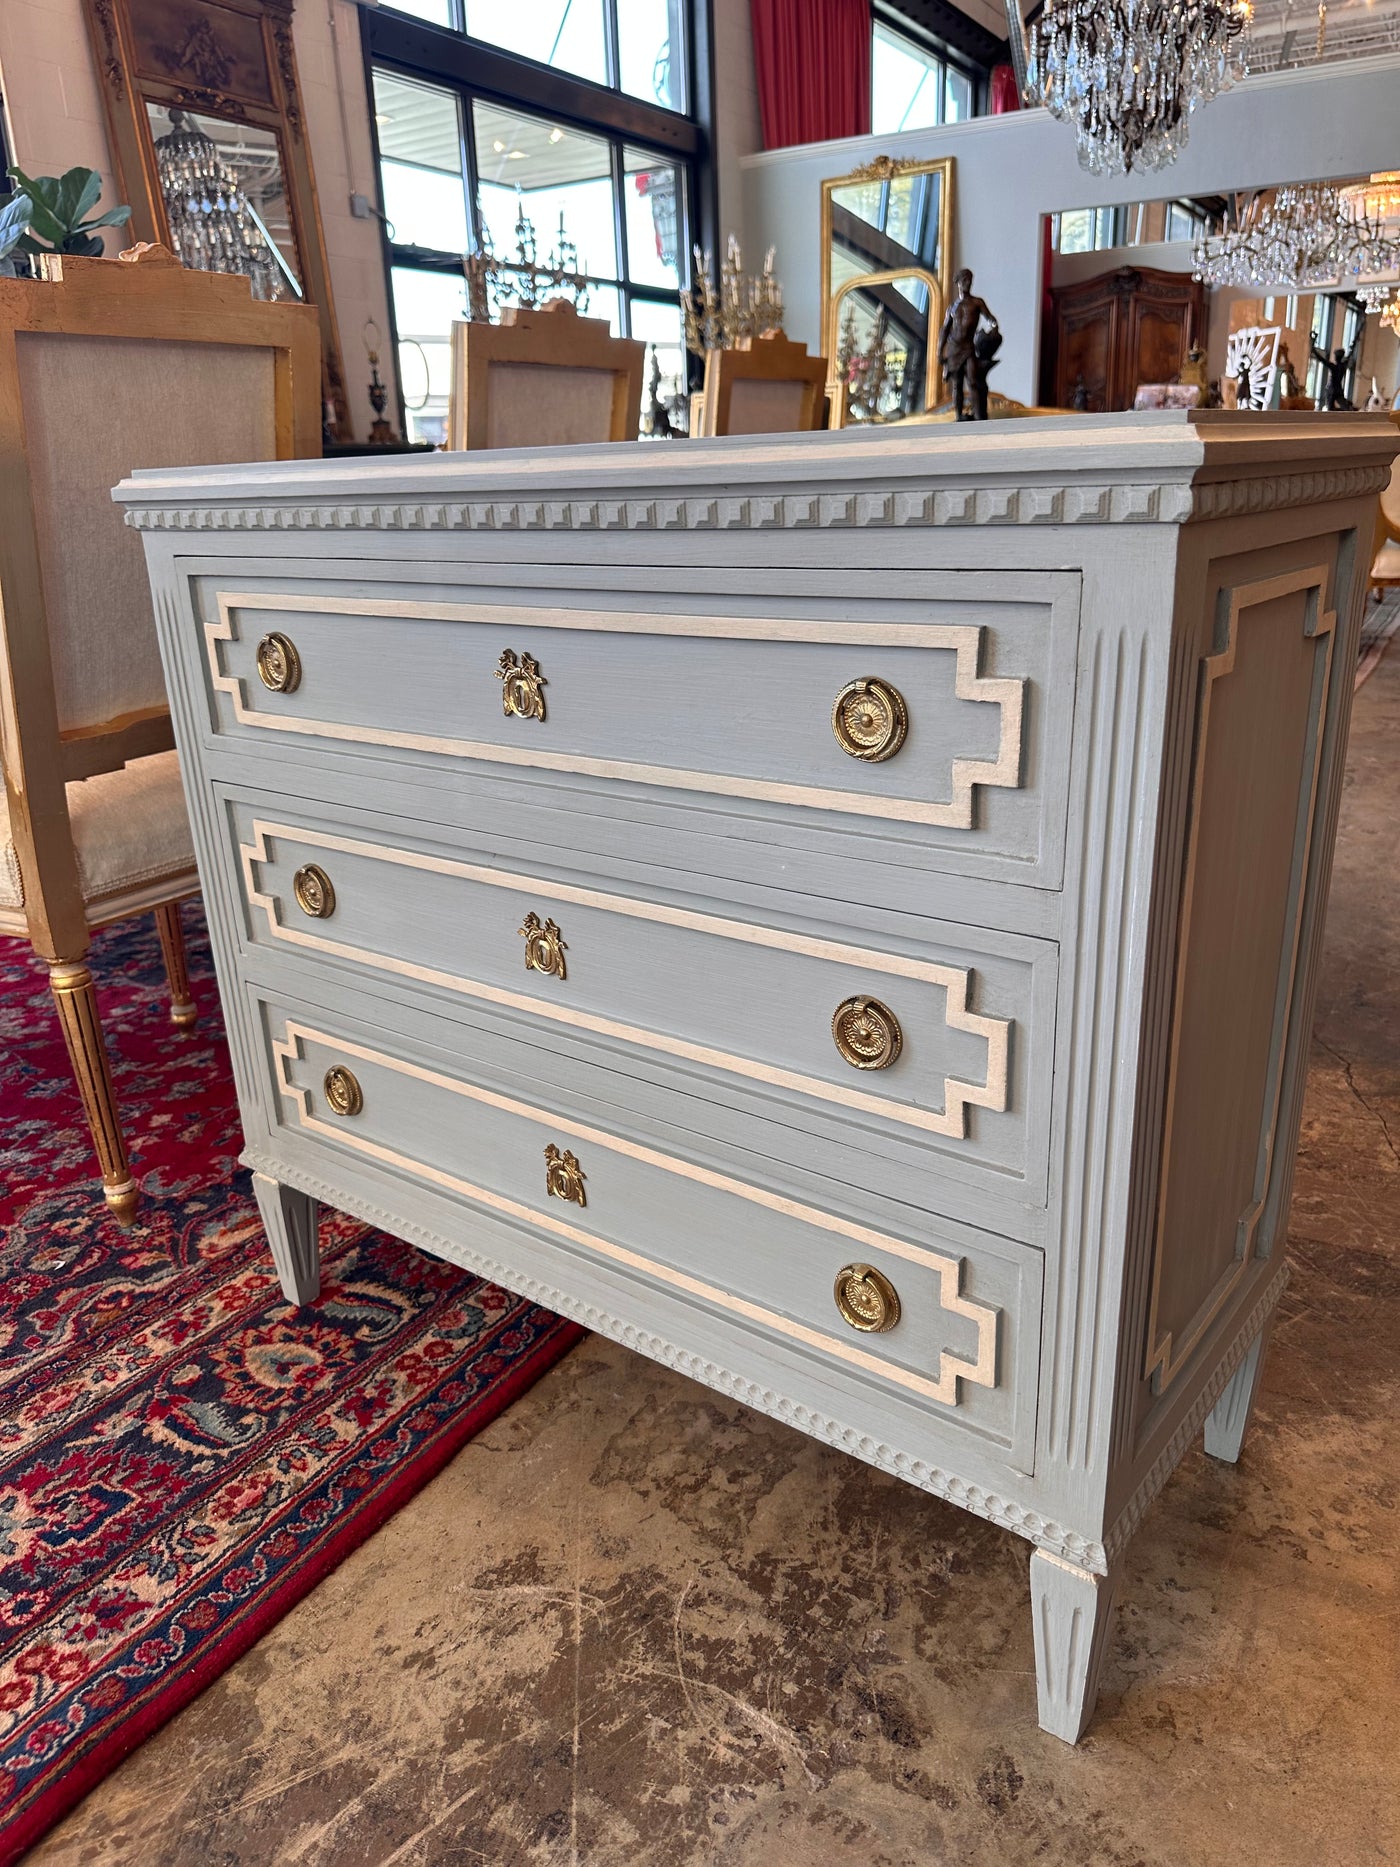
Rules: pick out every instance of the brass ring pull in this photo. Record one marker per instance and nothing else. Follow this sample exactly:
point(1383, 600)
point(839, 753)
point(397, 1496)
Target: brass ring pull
point(342, 1091)
point(870, 719)
point(866, 1298)
point(563, 1177)
point(522, 685)
point(867, 1033)
point(314, 892)
point(544, 947)
point(279, 664)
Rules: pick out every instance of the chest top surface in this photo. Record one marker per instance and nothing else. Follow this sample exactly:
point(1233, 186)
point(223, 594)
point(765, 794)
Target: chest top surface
point(1162, 467)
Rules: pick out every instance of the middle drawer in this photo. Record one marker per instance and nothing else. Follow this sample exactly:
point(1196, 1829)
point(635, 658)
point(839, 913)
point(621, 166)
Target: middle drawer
point(945, 1041)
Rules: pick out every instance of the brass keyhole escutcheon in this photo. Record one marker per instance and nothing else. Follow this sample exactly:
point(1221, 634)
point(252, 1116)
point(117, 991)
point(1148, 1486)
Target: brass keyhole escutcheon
point(866, 1298)
point(279, 664)
point(563, 1177)
point(867, 1033)
point(314, 892)
point(522, 685)
point(870, 719)
point(342, 1091)
point(544, 947)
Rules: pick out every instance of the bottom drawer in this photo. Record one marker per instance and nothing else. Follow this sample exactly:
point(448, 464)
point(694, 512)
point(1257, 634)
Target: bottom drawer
point(948, 1326)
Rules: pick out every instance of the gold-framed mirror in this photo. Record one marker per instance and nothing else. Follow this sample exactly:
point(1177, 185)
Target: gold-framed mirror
point(887, 250)
point(204, 115)
point(885, 364)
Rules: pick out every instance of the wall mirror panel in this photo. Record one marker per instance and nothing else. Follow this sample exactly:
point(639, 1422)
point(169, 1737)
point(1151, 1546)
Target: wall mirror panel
point(887, 263)
point(1298, 282)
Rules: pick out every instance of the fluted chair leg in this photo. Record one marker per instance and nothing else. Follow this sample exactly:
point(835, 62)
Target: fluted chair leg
point(76, 999)
point(183, 1011)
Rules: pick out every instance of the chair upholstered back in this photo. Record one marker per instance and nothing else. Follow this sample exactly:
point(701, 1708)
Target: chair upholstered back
point(545, 378)
point(764, 385)
point(107, 366)
point(95, 407)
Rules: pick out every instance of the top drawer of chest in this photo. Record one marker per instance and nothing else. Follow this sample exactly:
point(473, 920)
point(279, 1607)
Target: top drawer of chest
point(924, 713)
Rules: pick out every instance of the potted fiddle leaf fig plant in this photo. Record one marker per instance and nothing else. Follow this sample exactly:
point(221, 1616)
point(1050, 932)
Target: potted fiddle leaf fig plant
point(58, 207)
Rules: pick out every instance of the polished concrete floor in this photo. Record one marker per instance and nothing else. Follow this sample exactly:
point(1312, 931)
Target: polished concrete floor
point(635, 1623)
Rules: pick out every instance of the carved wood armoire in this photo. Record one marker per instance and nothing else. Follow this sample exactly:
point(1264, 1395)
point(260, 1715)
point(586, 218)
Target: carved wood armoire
point(1126, 327)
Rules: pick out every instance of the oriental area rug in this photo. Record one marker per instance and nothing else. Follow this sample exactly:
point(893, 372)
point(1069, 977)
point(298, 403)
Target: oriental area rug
point(183, 1455)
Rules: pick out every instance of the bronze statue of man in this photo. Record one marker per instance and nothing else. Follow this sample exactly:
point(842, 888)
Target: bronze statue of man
point(1334, 372)
point(963, 367)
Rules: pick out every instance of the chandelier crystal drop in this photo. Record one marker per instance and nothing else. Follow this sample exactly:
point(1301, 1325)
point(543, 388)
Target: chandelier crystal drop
point(212, 225)
point(1295, 238)
point(1128, 73)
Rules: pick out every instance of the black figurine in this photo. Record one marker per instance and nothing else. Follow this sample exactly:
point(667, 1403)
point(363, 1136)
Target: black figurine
point(1244, 387)
point(965, 355)
point(1334, 373)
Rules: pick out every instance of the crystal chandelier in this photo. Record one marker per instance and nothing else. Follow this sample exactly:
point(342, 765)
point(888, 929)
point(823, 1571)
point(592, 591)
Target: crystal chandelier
point(1377, 199)
point(212, 224)
point(1294, 238)
point(1128, 73)
point(1374, 296)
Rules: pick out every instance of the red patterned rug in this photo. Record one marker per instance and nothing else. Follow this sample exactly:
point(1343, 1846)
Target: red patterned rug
point(183, 1456)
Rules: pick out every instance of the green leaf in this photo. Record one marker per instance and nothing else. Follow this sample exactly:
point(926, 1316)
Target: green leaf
point(14, 222)
point(114, 217)
point(60, 201)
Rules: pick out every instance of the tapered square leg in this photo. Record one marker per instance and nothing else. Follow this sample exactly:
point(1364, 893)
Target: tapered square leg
point(1074, 1614)
point(1228, 1420)
point(172, 945)
point(75, 996)
point(290, 1220)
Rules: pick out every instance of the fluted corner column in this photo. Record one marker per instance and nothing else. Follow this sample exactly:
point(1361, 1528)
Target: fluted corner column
point(76, 998)
point(183, 1010)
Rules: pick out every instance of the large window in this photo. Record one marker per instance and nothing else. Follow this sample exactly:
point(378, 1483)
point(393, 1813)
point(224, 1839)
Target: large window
point(914, 86)
point(634, 46)
point(485, 144)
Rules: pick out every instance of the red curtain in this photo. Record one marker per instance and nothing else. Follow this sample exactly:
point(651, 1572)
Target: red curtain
point(812, 62)
point(1004, 94)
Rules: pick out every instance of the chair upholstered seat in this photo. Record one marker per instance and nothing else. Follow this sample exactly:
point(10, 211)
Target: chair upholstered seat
point(130, 831)
point(1386, 568)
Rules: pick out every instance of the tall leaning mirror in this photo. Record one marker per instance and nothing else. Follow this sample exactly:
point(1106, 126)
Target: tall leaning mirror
point(887, 273)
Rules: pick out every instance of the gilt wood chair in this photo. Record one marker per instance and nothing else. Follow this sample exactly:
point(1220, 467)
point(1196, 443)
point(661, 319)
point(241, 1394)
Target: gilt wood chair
point(543, 378)
point(106, 366)
point(763, 385)
point(1385, 567)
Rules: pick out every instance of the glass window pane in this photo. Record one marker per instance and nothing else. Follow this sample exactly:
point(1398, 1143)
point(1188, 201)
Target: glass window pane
point(420, 163)
point(439, 12)
point(225, 198)
point(568, 34)
point(906, 84)
point(425, 307)
point(655, 219)
point(544, 170)
point(650, 47)
point(661, 329)
point(1076, 230)
point(958, 97)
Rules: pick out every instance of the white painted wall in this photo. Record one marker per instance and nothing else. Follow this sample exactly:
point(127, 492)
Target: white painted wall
point(1321, 122)
point(55, 121)
point(738, 124)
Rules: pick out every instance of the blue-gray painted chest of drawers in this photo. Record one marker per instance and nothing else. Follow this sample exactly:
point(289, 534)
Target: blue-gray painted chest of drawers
point(837, 913)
